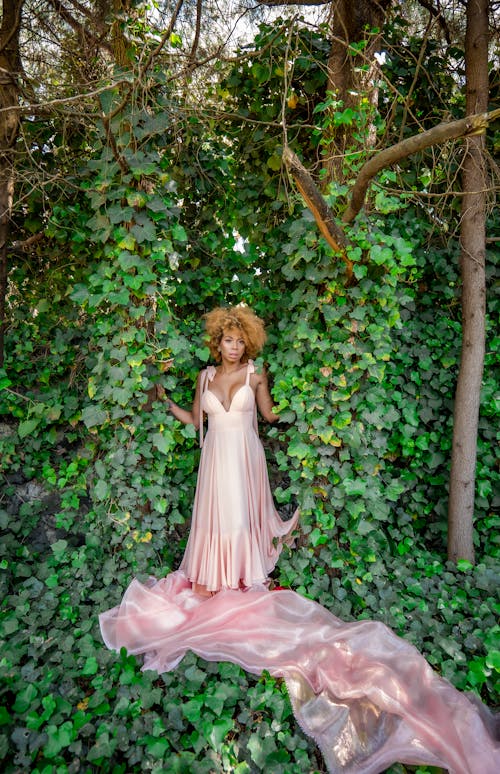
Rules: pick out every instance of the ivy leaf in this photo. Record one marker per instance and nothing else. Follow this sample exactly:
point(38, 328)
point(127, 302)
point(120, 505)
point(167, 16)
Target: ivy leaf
point(274, 162)
point(493, 660)
point(58, 738)
point(4, 381)
point(101, 489)
point(164, 441)
point(188, 431)
point(161, 505)
point(298, 449)
point(127, 242)
point(344, 117)
point(381, 254)
point(25, 699)
point(136, 199)
point(218, 731)
point(156, 204)
point(90, 667)
point(120, 297)
point(26, 428)
point(59, 548)
point(118, 214)
point(5, 716)
point(129, 260)
point(260, 72)
point(108, 99)
point(342, 419)
point(394, 490)
point(157, 746)
point(179, 232)
point(202, 353)
point(93, 416)
point(354, 487)
point(192, 709)
point(145, 231)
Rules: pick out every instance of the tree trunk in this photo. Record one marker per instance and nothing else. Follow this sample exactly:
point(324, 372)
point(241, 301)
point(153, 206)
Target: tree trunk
point(350, 75)
point(473, 248)
point(9, 129)
point(118, 41)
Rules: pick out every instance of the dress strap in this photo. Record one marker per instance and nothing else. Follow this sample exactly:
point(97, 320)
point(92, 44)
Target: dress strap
point(203, 383)
point(250, 370)
point(206, 376)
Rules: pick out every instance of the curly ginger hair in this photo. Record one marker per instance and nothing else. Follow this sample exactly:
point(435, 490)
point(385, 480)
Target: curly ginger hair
point(243, 319)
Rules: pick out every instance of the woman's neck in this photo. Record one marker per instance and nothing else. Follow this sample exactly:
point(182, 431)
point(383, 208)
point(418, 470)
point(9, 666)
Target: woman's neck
point(230, 368)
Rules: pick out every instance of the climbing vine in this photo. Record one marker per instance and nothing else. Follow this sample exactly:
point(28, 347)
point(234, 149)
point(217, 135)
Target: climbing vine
point(98, 478)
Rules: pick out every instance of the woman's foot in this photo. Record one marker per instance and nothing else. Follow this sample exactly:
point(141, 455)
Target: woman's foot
point(198, 588)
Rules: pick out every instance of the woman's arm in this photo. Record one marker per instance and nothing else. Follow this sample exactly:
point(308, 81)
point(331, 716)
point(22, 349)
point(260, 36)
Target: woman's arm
point(263, 397)
point(187, 417)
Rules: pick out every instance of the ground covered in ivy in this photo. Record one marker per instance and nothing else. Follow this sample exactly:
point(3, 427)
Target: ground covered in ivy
point(70, 705)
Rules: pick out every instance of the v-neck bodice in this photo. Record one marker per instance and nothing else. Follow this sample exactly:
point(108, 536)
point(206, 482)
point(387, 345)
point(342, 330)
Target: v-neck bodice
point(242, 401)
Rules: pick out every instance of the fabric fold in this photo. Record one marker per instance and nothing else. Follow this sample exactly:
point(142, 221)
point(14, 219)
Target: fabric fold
point(236, 533)
point(366, 696)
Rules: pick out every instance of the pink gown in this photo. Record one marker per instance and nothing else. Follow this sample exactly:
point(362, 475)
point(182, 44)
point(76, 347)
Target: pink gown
point(367, 697)
point(236, 533)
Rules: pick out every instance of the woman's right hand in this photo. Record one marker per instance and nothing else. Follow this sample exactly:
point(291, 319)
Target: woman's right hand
point(160, 392)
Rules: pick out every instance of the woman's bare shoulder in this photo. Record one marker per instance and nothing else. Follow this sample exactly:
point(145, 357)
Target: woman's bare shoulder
point(259, 376)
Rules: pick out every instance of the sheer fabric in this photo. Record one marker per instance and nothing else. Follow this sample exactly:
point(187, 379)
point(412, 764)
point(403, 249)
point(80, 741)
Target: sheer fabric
point(367, 697)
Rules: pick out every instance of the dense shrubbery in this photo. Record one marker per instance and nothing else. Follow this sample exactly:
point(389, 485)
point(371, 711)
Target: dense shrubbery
point(99, 479)
point(366, 456)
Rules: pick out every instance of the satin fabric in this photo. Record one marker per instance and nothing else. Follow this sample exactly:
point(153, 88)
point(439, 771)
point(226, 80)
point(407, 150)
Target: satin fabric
point(236, 533)
point(366, 696)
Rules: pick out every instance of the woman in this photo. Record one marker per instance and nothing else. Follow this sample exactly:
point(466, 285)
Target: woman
point(236, 532)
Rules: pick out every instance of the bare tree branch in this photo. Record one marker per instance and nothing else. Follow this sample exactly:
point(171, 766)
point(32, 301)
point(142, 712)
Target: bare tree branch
point(196, 39)
point(89, 14)
point(272, 3)
point(464, 127)
point(44, 108)
point(83, 32)
point(416, 76)
point(145, 67)
point(436, 12)
point(26, 244)
point(323, 215)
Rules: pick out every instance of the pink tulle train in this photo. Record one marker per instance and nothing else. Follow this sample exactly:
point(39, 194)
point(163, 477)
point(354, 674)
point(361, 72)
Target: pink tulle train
point(366, 696)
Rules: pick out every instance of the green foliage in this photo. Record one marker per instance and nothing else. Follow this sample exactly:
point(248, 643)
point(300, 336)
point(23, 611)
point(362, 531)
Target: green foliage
point(98, 479)
point(65, 696)
point(290, 56)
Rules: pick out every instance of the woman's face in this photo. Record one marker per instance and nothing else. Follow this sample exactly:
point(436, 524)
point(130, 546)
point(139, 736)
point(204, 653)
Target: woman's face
point(232, 345)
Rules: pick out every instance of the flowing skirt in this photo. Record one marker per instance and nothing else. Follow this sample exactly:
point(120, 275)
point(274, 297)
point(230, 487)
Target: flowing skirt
point(366, 696)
